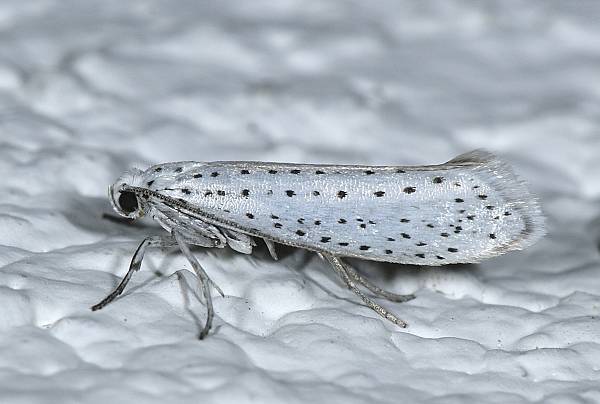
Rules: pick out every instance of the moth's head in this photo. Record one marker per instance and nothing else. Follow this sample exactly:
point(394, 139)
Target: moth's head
point(125, 202)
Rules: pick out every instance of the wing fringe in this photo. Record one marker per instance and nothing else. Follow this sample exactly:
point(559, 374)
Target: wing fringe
point(515, 191)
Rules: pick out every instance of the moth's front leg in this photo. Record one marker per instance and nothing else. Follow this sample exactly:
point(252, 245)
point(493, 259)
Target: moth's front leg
point(136, 263)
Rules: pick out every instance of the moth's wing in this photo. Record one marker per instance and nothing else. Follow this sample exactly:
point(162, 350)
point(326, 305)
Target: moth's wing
point(512, 192)
point(468, 209)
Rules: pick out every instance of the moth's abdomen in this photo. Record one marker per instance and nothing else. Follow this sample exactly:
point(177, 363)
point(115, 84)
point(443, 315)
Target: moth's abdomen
point(463, 211)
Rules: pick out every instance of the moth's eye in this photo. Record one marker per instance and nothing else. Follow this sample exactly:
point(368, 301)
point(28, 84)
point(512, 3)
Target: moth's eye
point(128, 202)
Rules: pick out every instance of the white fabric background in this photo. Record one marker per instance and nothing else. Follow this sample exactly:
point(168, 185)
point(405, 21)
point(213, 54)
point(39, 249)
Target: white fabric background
point(88, 89)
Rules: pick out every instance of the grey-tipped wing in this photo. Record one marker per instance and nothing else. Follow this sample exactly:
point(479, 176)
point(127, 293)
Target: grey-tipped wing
point(468, 209)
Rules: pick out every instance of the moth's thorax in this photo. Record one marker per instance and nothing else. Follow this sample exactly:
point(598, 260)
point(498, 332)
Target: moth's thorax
point(125, 203)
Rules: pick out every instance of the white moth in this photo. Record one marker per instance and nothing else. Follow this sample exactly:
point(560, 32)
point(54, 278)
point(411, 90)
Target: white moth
point(466, 210)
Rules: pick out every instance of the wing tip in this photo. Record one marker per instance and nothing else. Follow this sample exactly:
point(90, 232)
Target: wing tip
point(514, 190)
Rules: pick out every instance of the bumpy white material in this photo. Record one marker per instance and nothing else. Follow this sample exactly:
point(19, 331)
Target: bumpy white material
point(88, 89)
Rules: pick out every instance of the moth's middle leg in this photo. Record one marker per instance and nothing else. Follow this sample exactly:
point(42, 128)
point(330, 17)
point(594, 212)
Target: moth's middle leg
point(205, 282)
point(342, 271)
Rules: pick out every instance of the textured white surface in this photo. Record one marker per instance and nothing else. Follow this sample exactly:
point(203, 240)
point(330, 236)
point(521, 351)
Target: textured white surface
point(87, 90)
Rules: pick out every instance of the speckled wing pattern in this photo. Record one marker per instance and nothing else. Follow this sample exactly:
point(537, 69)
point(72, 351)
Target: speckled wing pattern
point(468, 209)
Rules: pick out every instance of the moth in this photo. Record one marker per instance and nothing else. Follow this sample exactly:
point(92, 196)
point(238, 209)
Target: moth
point(464, 211)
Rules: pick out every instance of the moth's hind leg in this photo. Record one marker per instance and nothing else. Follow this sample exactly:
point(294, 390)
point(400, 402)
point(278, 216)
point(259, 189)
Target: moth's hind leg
point(136, 263)
point(342, 271)
point(376, 290)
point(205, 283)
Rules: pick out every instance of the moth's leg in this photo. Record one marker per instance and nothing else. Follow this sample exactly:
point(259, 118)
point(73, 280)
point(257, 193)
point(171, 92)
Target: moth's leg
point(271, 247)
point(205, 282)
point(340, 268)
point(136, 263)
point(376, 290)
